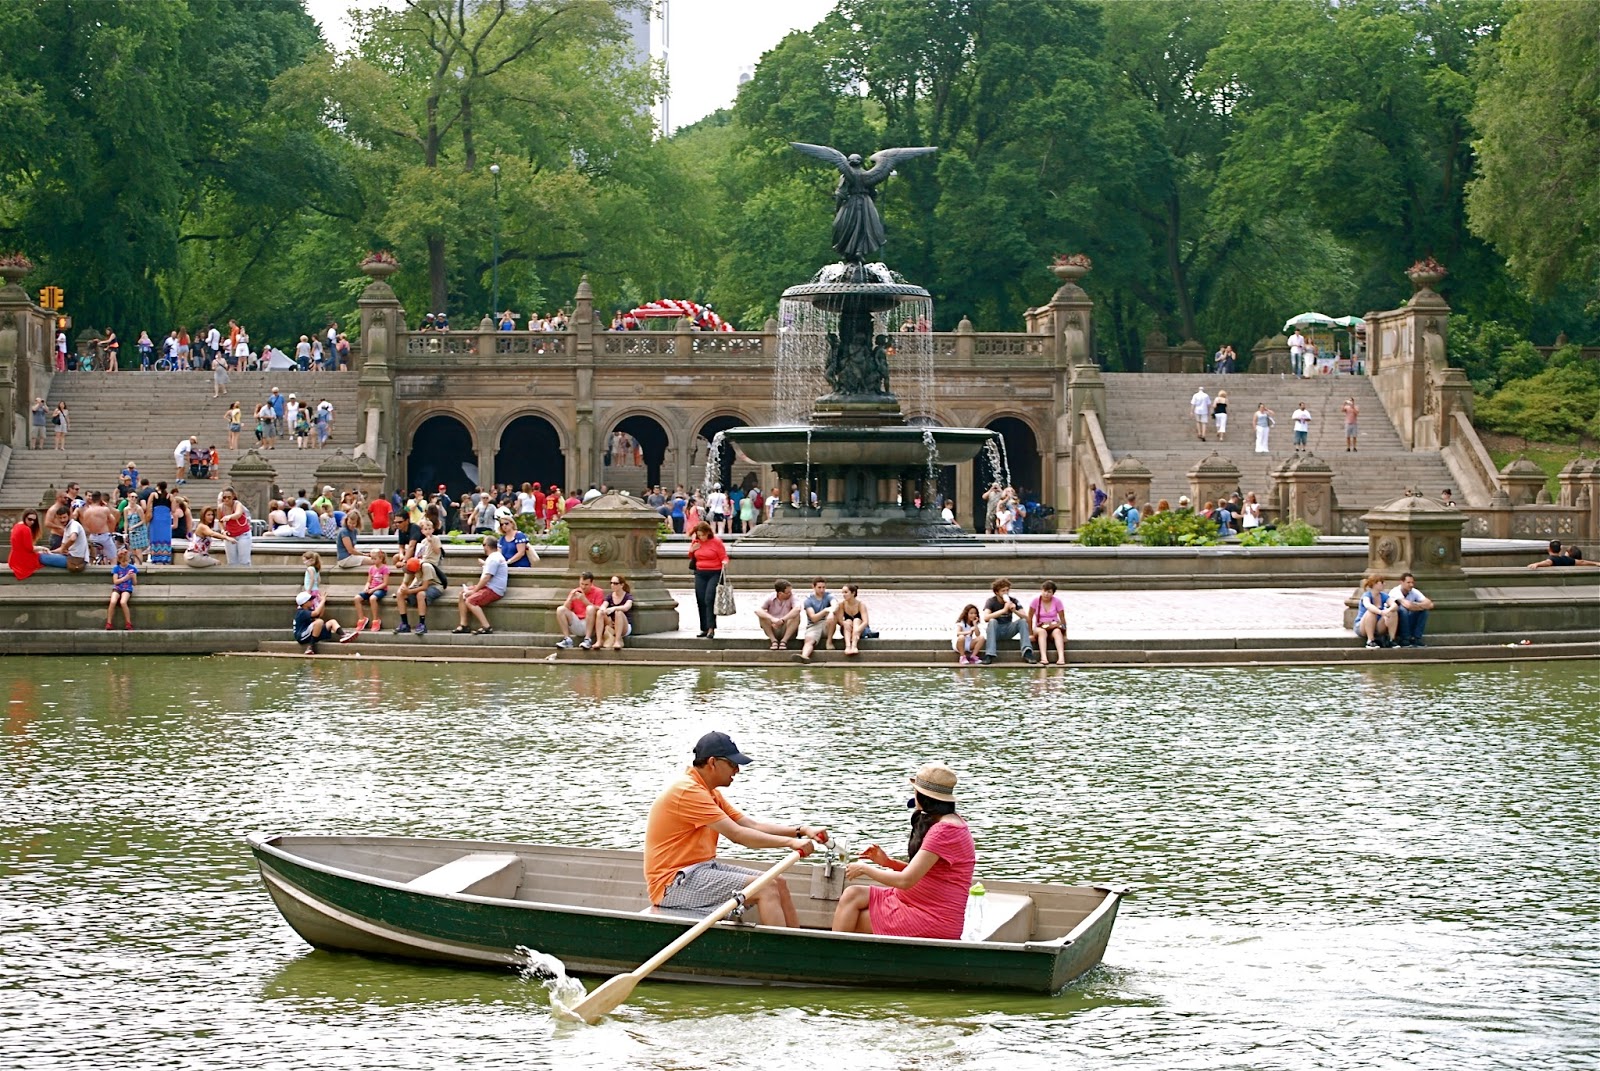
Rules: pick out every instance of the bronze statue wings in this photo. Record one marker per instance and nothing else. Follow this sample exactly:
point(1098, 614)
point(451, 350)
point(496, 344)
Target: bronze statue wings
point(883, 161)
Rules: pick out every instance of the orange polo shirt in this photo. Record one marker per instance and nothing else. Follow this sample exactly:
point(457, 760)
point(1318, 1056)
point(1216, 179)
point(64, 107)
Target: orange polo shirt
point(678, 833)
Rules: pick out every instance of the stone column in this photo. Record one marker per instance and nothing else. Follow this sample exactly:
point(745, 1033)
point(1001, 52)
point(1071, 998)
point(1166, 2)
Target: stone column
point(1270, 356)
point(1423, 537)
point(1403, 346)
point(383, 326)
point(16, 308)
point(253, 478)
point(585, 462)
point(1523, 480)
point(1191, 357)
point(618, 534)
point(1308, 492)
point(1128, 474)
point(1213, 479)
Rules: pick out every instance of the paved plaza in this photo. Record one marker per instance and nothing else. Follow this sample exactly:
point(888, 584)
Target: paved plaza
point(1195, 614)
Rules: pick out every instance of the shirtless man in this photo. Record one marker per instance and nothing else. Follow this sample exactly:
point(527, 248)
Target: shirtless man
point(56, 517)
point(99, 521)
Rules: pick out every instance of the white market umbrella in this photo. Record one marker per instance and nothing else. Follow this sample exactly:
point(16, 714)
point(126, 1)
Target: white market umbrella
point(1350, 321)
point(1311, 319)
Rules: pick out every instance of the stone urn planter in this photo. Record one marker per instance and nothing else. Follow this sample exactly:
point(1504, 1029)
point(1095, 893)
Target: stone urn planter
point(1426, 274)
point(1071, 269)
point(14, 268)
point(380, 270)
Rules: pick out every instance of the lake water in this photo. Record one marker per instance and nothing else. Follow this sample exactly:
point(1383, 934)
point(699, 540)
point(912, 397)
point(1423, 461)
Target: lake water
point(1334, 867)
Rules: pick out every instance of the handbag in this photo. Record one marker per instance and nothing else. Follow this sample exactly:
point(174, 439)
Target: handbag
point(723, 605)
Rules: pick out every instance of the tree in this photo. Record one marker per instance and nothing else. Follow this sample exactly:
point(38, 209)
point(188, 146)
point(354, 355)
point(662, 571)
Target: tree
point(1537, 192)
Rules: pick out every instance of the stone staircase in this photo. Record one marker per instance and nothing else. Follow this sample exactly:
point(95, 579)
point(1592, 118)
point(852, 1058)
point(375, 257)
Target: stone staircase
point(140, 416)
point(1148, 417)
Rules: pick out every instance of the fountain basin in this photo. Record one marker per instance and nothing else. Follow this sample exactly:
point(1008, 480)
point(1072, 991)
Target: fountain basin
point(830, 446)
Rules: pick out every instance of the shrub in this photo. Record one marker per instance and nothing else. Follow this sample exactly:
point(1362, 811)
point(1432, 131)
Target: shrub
point(1102, 532)
point(1555, 405)
point(1293, 534)
point(1260, 537)
point(557, 536)
point(1178, 528)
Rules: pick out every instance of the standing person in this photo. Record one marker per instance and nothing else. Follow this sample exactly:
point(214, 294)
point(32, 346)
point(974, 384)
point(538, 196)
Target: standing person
point(234, 420)
point(40, 414)
point(180, 457)
point(1302, 426)
point(967, 636)
point(853, 618)
point(324, 422)
point(1297, 353)
point(61, 421)
point(1264, 422)
point(717, 509)
point(219, 375)
point(1251, 515)
point(1047, 620)
point(707, 555)
point(747, 511)
point(280, 406)
point(368, 602)
point(487, 590)
point(681, 870)
point(61, 351)
point(819, 619)
point(1003, 617)
point(310, 628)
point(1412, 607)
point(136, 526)
point(124, 575)
point(1351, 412)
point(236, 526)
point(160, 512)
point(779, 616)
point(1375, 615)
point(1219, 413)
point(267, 426)
point(1200, 403)
point(927, 895)
point(379, 511)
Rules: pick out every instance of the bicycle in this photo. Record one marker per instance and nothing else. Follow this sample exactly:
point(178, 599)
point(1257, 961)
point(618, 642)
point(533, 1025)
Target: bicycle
point(162, 364)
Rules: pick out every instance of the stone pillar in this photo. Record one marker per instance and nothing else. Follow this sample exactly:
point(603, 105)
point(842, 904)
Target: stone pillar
point(1128, 474)
point(1270, 356)
point(1498, 514)
point(1423, 537)
point(618, 534)
point(1406, 356)
point(1580, 486)
point(340, 472)
point(253, 478)
point(1212, 479)
point(585, 462)
point(1523, 480)
point(16, 309)
point(1308, 492)
point(383, 326)
point(1086, 392)
point(373, 479)
point(1191, 357)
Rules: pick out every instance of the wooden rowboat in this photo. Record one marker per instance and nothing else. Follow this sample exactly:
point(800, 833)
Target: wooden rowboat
point(474, 902)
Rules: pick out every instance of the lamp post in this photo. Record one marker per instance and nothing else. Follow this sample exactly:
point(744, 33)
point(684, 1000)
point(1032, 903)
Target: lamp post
point(494, 169)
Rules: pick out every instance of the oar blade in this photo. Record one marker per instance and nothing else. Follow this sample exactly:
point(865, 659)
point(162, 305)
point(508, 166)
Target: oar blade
point(604, 1000)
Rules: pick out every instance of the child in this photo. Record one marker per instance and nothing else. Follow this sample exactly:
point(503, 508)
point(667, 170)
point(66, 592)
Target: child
point(370, 599)
point(967, 636)
point(312, 583)
point(123, 576)
point(216, 464)
point(1047, 618)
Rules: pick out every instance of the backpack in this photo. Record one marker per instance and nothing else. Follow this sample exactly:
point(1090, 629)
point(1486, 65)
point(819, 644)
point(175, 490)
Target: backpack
point(1121, 512)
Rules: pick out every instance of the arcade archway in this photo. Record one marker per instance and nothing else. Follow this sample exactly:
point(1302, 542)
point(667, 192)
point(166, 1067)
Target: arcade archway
point(439, 449)
point(530, 452)
point(1019, 460)
point(635, 452)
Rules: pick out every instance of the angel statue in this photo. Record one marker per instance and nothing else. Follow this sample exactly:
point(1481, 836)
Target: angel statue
point(857, 228)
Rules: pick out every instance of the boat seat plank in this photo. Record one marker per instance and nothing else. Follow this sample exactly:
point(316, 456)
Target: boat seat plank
point(1007, 917)
point(479, 873)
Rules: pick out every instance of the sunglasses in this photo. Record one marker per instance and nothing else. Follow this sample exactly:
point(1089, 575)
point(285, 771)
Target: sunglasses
point(617, 582)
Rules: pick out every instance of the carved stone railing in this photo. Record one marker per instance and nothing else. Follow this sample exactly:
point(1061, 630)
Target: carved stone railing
point(533, 343)
point(1094, 438)
point(1541, 522)
point(1469, 463)
point(682, 343)
point(440, 344)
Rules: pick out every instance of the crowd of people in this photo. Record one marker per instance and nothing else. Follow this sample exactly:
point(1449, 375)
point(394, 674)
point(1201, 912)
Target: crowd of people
point(212, 349)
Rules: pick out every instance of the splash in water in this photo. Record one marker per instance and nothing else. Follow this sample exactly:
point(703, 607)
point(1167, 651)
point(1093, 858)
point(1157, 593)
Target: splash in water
point(565, 991)
point(713, 473)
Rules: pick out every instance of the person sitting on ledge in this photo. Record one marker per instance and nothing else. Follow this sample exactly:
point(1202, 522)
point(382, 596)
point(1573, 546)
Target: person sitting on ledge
point(1571, 556)
point(780, 616)
point(1003, 618)
point(580, 612)
point(1412, 606)
point(1375, 616)
point(852, 618)
point(489, 587)
point(310, 628)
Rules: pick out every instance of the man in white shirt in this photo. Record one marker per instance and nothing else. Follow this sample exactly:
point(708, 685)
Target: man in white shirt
point(180, 456)
point(717, 507)
point(1200, 404)
point(1302, 426)
point(75, 544)
point(297, 522)
point(488, 589)
point(1413, 606)
point(1297, 351)
point(591, 494)
point(213, 340)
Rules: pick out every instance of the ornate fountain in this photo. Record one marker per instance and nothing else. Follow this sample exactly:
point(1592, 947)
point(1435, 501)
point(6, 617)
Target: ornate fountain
point(842, 437)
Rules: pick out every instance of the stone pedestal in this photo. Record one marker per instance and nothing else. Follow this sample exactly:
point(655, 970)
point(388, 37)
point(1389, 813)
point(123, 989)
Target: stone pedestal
point(1580, 486)
point(1270, 356)
point(617, 535)
point(1303, 490)
point(1128, 474)
point(1212, 479)
point(253, 479)
point(371, 480)
point(1191, 357)
point(340, 472)
point(1523, 480)
point(1423, 537)
point(382, 325)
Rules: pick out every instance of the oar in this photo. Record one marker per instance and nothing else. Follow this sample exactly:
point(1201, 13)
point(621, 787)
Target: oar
point(617, 990)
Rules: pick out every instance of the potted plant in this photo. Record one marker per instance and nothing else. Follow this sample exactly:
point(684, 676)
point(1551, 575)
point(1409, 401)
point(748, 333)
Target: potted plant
point(14, 266)
point(1070, 267)
point(380, 264)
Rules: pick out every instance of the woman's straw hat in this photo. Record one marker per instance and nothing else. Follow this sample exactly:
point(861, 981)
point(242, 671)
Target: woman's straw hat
point(936, 781)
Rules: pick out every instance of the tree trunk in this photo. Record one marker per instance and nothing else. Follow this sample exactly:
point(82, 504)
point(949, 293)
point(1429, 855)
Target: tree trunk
point(1180, 282)
point(438, 293)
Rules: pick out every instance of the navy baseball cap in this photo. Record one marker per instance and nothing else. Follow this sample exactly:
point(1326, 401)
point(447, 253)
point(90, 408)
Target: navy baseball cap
point(719, 746)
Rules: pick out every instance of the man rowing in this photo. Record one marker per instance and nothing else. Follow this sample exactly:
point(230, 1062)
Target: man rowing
point(680, 839)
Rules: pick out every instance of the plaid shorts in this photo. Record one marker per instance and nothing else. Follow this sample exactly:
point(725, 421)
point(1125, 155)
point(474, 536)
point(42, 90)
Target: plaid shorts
point(706, 886)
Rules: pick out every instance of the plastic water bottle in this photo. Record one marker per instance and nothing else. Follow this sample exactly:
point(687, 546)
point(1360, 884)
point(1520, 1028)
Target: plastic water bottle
point(973, 929)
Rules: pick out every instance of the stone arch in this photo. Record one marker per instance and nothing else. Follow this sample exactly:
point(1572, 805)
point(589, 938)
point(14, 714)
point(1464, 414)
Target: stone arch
point(640, 461)
point(1022, 456)
point(529, 448)
point(706, 429)
point(441, 443)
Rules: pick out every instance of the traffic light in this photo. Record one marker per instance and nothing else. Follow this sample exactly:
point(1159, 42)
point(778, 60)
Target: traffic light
point(52, 297)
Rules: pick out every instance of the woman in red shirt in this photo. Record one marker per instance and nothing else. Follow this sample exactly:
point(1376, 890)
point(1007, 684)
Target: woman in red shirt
point(927, 896)
point(707, 555)
point(24, 559)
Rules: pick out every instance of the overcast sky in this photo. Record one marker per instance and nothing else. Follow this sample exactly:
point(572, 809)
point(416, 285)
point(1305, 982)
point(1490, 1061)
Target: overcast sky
point(711, 41)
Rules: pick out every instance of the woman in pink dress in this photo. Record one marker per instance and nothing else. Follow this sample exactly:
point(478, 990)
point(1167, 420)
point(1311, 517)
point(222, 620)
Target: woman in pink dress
point(927, 896)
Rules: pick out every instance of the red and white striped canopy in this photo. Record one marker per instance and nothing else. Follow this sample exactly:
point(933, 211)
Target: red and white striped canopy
point(673, 308)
